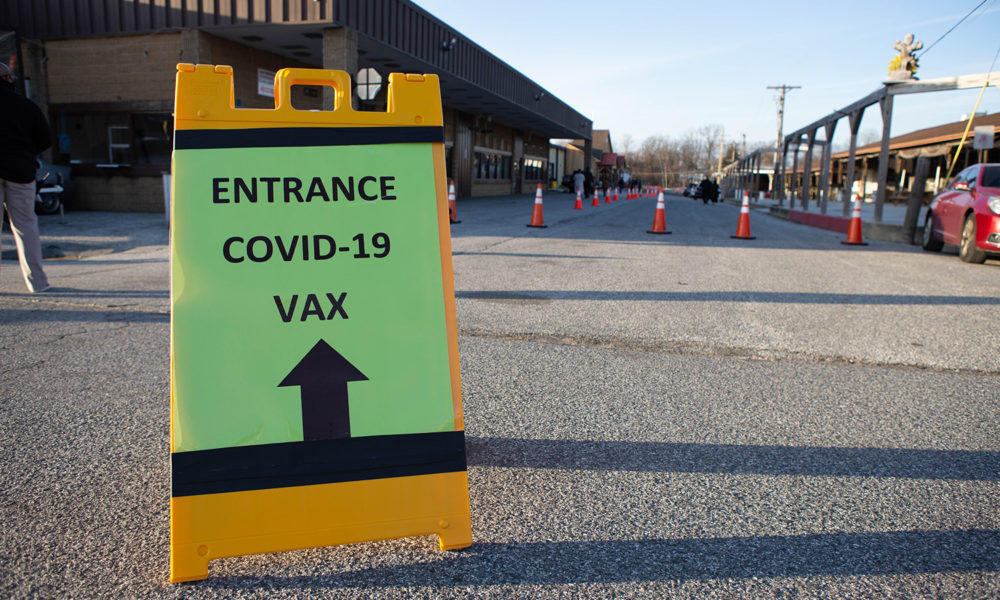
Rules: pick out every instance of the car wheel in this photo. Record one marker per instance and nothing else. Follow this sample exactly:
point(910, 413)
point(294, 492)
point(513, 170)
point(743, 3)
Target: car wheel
point(930, 243)
point(967, 250)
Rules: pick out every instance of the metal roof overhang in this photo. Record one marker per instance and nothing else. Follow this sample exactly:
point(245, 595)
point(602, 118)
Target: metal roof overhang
point(303, 43)
point(393, 35)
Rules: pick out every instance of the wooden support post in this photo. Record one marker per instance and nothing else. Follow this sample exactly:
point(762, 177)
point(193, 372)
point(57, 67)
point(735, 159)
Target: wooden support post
point(918, 183)
point(795, 174)
point(780, 183)
point(754, 175)
point(807, 170)
point(854, 121)
point(864, 178)
point(824, 184)
point(883, 157)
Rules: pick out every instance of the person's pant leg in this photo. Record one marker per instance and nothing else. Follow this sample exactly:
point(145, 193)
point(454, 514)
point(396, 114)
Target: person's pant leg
point(19, 199)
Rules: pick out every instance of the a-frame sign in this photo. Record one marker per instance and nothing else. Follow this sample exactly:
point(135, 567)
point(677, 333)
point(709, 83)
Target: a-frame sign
point(315, 392)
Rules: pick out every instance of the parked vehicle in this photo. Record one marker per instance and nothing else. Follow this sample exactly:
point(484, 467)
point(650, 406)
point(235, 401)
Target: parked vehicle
point(690, 190)
point(967, 214)
point(50, 193)
point(567, 182)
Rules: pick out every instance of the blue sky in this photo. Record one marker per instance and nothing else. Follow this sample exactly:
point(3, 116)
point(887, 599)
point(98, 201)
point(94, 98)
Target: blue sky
point(642, 68)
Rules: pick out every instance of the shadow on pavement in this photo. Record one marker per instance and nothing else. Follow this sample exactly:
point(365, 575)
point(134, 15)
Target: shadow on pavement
point(754, 296)
point(623, 561)
point(733, 459)
point(533, 255)
point(90, 315)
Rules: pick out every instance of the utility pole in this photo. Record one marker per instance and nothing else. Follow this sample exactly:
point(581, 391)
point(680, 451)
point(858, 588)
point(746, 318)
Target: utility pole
point(781, 106)
point(722, 148)
point(781, 123)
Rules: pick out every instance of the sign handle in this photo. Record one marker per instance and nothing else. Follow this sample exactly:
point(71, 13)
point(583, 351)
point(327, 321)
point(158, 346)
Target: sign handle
point(286, 78)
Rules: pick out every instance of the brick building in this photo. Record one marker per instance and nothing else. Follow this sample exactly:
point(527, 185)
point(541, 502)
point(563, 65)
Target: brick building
point(104, 73)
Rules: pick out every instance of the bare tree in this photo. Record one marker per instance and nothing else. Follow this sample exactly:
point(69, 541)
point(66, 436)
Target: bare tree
point(626, 144)
point(869, 136)
point(675, 161)
point(710, 138)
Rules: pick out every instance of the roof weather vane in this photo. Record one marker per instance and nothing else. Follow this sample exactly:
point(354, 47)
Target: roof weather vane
point(903, 66)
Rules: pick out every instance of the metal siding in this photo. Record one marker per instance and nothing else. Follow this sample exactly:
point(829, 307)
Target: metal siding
point(175, 13)
point(56, 15)
point(69, 17)
point(113, 16)
point(399, 25)
point(98, 19)
point(142, 14)
point(159, 16)
point(393, 37)
point(82, 17)
point(130, 20)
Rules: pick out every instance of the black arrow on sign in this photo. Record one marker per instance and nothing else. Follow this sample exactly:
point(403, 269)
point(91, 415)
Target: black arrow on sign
point(323, 375)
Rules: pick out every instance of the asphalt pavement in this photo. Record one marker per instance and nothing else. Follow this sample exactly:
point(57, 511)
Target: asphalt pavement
point(686, 415)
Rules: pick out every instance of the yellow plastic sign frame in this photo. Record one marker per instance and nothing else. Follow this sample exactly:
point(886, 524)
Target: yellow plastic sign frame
point(218, 510)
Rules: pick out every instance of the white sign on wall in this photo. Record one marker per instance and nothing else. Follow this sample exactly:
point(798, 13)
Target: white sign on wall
point(982, 137)
point(265, 82)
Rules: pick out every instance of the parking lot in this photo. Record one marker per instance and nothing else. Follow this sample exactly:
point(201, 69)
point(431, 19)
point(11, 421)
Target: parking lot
point(685, 415)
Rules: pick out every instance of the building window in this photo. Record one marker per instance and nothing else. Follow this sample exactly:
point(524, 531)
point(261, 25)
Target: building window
point(534, 169)
point(119, 147)
point(152, 138)
point(119, 139)
point(490, 165)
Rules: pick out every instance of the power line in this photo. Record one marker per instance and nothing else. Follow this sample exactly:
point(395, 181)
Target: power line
point(928, 48)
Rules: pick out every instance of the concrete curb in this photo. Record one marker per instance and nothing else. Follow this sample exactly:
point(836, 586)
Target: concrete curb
point(876, 231)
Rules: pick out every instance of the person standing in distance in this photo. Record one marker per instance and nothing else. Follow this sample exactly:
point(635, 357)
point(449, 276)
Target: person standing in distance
point(578, 181)
point(24, 133)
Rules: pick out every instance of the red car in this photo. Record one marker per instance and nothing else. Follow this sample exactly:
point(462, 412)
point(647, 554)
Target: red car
point(967, 214)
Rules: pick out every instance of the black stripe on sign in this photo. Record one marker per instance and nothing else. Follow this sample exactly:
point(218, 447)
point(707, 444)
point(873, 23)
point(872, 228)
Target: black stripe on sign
point(291, 464)
point(294, 137)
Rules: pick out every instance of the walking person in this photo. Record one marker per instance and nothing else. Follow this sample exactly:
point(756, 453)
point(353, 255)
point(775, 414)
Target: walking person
point(24, 133)
point(704, 190)
point(578, 181)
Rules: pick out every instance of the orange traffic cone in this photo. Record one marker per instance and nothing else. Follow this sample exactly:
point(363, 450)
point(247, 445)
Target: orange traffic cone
point(616, 195)
point(451, 202)
point(596, 202)
point(660, 218)
point(854, 229)
point(579, 201)
point(607, 196)
point(536, 214)
point(743, 227)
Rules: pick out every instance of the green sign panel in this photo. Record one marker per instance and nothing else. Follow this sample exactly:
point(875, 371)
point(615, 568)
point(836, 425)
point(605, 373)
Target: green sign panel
point(307, 290)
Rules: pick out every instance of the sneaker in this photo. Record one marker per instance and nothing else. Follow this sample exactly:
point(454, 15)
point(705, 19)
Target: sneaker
point(47, 288)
